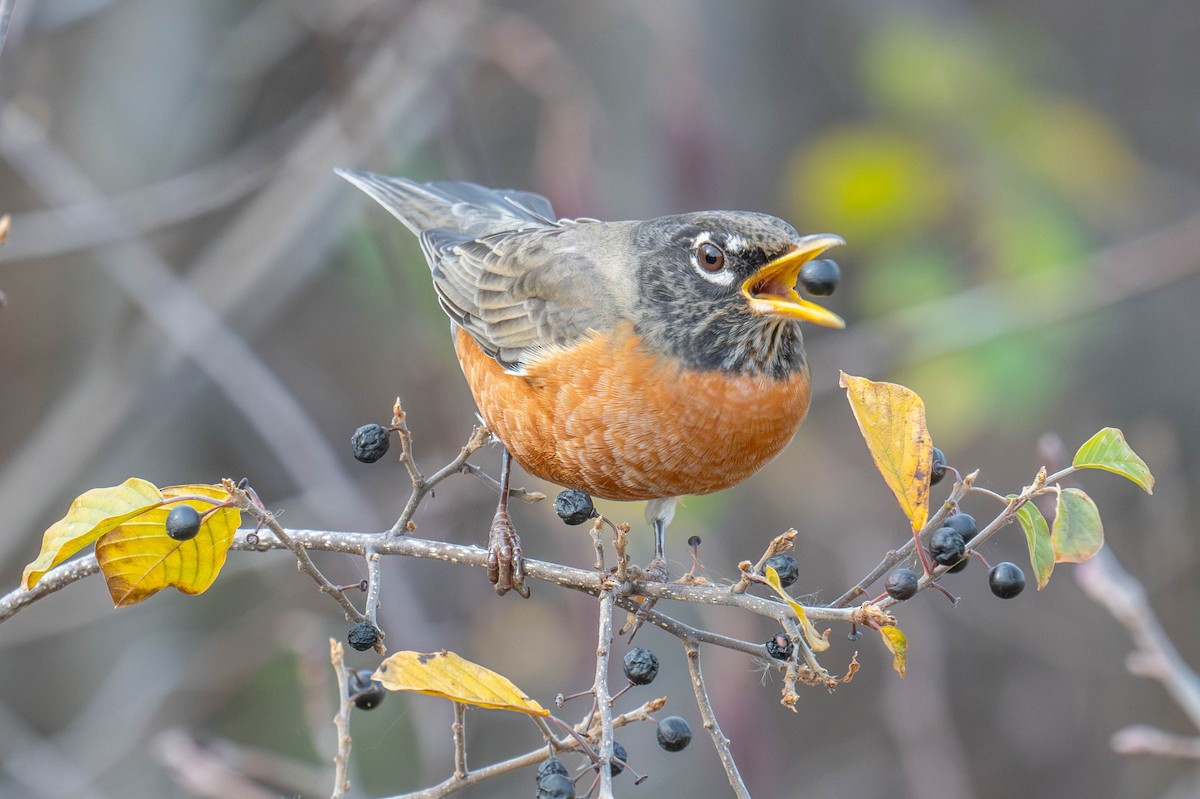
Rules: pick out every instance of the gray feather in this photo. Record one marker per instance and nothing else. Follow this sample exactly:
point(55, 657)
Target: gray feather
point(504, 270)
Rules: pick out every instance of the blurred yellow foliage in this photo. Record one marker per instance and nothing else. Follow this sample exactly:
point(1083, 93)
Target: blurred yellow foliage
point(868, 183)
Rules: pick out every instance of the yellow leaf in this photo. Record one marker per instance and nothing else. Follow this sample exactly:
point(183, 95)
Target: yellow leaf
point(897, 644)
point(447, 675)
point(138, 559)
point(816, 641)
point(892, 420)
point(91, 515)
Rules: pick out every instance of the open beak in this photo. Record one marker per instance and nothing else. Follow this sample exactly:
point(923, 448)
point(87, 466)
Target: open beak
point(772, 289)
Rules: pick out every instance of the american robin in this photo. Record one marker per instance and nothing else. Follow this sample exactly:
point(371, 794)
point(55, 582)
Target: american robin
point(631, 360)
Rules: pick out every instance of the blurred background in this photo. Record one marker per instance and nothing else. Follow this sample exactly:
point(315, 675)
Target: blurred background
point(190, 293)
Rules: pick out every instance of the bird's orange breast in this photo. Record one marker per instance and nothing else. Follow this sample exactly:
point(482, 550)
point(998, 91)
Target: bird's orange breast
point(618, 421)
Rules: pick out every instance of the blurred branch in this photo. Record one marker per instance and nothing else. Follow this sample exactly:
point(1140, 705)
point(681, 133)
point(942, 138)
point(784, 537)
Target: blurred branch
point(180, 313)
point(57, 231)
point(1108, 584)
point(6, 9)
point(1007, 307)
point(396, 77)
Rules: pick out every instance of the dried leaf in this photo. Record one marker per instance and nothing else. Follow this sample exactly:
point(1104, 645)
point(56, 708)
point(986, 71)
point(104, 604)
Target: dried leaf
point(897, 644)
point(892, 420)
point(449, 676)
point(1037, 538)
point(1108, 450)
point(138, 559)
point(90, 516)
point(816, 641)
point(1078, 533)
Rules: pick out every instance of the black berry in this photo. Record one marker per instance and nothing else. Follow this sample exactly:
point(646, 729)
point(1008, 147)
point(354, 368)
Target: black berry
point(902, 584)
point(820, 277)
point(641, 666)
point(1006, 580)
point(362, 636)
point(786, 567)
point(183, 523)
point(674, 733)
point(574, 506)
point(556, 786)
point(938, 470)
point(946, 546)
point(619, 753)
point(963, 524)
point(367, 693)
point(779, 647)
point(551, 765)
point(370, 443)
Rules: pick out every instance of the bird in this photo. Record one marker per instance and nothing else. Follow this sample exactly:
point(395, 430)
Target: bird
point(632, 360)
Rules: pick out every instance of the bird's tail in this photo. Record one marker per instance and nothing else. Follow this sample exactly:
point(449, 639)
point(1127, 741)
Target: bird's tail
point(454, 205)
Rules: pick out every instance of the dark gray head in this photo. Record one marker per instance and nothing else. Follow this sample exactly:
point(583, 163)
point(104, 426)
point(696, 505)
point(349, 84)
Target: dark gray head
point(717, 289)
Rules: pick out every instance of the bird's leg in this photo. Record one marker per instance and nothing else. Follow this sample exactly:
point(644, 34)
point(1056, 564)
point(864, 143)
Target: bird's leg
point(505, 566)
point(656, 569)
point(659, 513)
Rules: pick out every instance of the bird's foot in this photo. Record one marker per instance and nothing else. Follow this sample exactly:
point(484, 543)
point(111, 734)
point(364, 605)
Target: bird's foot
point(505, 564)
point(656, 571)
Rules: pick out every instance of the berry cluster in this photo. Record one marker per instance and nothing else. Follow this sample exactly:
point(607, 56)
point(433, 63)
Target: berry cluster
point(947, 547)
point(673, 733)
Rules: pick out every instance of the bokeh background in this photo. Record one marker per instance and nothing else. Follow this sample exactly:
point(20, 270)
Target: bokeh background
point(192, 294)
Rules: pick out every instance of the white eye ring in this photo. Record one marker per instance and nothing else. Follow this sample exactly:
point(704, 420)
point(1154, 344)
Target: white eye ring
point(720, 275)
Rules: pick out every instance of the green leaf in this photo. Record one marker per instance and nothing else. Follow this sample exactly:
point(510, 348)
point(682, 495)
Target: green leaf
point(1108, 450)
point(1037, 536)
point(1078, 533)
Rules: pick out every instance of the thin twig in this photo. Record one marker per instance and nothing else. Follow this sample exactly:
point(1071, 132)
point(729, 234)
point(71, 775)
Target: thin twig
point(341, 722)
point(523, 494)
point(710, 722)
point(903, 553)
point(303, 561)
point(422, 485)
point(373, 587)
point(567, 744)
point(779, 544)
point(459, 729)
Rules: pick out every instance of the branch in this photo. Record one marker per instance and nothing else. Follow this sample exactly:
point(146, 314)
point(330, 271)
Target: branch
point(245, 502)
point(600, 691)
point(710, 722)
point(341, 722)
point(1108, 584)
point(532, 758)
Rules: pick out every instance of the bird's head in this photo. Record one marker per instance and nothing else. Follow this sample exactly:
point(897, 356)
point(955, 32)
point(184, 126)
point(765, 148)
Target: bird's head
point(717, 289)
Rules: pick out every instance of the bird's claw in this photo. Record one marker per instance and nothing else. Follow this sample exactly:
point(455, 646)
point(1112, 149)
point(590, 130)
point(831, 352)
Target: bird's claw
point(505, 564)
point(656, 571)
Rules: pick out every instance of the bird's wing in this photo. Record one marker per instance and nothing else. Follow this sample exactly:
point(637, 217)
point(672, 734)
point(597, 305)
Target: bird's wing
point(521, 292)
point(454, 205)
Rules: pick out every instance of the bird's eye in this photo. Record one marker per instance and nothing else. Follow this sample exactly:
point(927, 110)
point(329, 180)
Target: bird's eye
point(710, 257)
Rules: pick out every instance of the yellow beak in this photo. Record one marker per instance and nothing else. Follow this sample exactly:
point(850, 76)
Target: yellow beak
point(772, 289)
